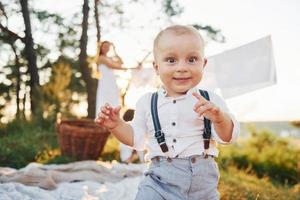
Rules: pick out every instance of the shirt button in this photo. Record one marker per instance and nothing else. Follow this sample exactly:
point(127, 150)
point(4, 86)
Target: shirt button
point(173, 123)
point(174, 140)
point(174, 101)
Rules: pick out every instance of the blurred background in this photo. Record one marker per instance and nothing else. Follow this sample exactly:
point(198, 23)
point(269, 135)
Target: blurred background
point(47, 72)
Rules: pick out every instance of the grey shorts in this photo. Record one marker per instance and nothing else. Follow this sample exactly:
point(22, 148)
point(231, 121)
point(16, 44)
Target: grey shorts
point(191, 178)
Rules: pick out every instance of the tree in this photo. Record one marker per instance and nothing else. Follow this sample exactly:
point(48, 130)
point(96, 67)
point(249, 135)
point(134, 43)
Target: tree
point(29, 62)
point(34, 81)
point(97, 21)
point(29, 54)
point(91, 84)
point(10, 38)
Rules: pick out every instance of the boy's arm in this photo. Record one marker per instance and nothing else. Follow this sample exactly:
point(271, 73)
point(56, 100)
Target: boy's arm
point(109, 117)
point(221, 121)
point(224, 127)
point(123, 132)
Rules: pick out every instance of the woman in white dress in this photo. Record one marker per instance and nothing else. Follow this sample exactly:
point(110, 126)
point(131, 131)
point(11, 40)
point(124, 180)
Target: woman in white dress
point(108, 91)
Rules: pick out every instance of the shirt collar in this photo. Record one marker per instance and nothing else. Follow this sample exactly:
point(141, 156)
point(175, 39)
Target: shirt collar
point(163, 92)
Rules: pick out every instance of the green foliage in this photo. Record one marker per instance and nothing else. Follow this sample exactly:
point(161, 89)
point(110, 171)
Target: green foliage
point(56, 96)
point(22, 143)
point(61, 160)
point(77, 84)
point(236, 184)
point(265, 155)
point(211, 32)
point(172, 8)
point(53, 156)
point(5, 96)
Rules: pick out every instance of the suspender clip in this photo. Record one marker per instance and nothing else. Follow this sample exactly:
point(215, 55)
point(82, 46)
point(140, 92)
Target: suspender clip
point(164, 147)
point(206, 147)
point(206, 144)
point(160, 136)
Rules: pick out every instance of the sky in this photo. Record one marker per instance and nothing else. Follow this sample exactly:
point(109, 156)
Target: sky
point(241, 22)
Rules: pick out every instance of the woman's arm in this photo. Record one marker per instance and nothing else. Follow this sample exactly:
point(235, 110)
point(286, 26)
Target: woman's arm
point(116, 64)
point(110, 63)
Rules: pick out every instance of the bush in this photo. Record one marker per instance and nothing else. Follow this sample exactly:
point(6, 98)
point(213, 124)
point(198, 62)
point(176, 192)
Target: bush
point(265, 155)
point(23, 141)
point(236, 184)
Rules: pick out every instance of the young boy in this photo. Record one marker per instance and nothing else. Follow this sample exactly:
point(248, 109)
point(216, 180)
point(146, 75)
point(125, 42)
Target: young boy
point(181, 167)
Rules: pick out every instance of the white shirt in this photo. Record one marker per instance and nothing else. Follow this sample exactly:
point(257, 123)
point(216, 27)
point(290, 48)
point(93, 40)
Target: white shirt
point(182, 126)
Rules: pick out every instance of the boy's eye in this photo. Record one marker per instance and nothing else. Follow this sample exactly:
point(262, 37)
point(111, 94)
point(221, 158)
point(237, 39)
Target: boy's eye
point(170, 60)
point(193, 59)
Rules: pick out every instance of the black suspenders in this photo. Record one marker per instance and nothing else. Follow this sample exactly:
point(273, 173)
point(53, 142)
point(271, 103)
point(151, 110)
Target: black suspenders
point(160, 136)
point(207, 126)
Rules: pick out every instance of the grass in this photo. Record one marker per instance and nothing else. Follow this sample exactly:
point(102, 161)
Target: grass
point(22, 143)
point(238, 185)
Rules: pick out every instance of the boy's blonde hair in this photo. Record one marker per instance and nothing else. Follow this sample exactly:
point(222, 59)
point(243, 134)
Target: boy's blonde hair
point(178, 30)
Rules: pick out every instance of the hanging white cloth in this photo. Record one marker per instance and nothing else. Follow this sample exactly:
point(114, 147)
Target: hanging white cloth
point(107, 91)
point(241, 70)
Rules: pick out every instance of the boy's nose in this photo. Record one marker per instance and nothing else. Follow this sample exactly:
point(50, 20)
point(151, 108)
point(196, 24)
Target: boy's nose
point(181, 66)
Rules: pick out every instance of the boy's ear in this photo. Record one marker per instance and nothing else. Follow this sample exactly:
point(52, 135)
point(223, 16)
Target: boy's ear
point(155, 66)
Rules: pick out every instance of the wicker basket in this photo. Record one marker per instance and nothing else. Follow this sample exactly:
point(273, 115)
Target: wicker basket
point(82, 139)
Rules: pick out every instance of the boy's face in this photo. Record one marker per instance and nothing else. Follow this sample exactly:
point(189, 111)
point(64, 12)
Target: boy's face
point(179, 62)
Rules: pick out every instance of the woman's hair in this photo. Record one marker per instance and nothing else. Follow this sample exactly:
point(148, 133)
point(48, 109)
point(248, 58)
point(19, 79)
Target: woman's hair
point(100, 44)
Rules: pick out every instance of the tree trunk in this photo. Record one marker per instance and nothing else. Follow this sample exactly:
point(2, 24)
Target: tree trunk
point(31, 58)
point(98, 28)
point(24, 103)
point(91, 84)
point(18, 76)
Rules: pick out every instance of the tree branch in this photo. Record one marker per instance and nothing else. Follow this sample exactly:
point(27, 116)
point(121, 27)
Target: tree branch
point(11, 33)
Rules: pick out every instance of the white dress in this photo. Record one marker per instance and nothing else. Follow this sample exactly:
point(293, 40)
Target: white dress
point(107, 90)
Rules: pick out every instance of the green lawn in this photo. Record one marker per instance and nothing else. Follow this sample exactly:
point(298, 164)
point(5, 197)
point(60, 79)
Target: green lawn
point(238, 185)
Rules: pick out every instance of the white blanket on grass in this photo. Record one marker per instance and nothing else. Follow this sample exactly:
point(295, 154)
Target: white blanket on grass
point(86, 180)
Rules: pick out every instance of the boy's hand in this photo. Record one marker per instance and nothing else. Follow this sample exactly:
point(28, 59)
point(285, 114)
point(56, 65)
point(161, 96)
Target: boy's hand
point(208, 109)
point(108, 116)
